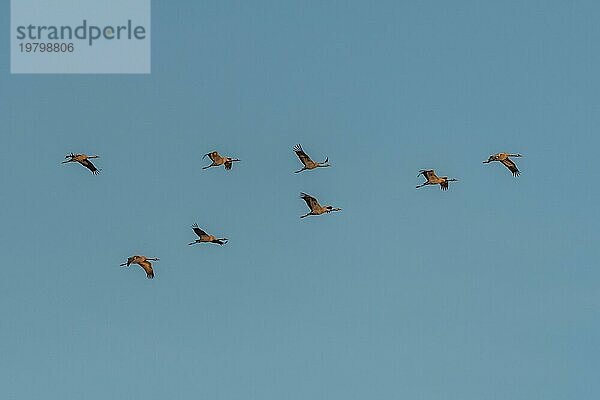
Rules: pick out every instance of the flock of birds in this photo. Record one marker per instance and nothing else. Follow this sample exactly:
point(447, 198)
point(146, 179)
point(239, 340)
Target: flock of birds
point(311, 202)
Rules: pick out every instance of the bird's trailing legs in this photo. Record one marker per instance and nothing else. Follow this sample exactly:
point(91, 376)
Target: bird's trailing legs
point(71, 158)
point(208, 166)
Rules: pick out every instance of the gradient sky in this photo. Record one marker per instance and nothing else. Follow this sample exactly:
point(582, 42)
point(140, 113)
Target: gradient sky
point(486, 291)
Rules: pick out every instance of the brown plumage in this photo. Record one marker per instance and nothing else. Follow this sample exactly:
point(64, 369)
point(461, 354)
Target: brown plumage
point(218, 160)
point(433, 179)
point(84, 160)
point(507, 162)
point(143, 262)
point(315, 207)
point(307, 161)
point(204, 237)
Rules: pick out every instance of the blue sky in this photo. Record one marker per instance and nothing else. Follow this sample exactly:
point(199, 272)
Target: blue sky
point(486, 291)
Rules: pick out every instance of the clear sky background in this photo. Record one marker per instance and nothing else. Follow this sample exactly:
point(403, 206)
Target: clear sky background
point(486, 291)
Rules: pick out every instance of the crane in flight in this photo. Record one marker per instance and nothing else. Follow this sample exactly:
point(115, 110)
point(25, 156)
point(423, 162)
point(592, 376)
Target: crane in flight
point(507, 162)
point(84, 160)
point(315, 207)
point(218, 160)
point(143, 262)
point(204, 237)
point(307, 161)
point(433, 179)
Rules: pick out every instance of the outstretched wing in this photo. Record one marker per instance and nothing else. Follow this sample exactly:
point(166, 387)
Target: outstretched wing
point(147, 266)
point(198, 231)
point(508, 163)
point(88, 164)
point(213, 155)
point(304, 158)
point(311, 202)
point(429, 174)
